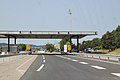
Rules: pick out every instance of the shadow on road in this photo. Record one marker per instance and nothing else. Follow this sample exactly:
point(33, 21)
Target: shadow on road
point(51, 54)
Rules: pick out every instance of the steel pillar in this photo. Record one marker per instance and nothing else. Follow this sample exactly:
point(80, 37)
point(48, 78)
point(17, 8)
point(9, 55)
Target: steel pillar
point(77, 43)
point(15, 41)
point(8, 44)
point(71, 43)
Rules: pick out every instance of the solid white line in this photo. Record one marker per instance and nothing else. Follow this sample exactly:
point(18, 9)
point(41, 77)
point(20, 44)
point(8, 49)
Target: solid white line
point(83, 63)
point(116, 74)
point(98, 67)
point(74, 60)
point(41, 67)
point(24, 63)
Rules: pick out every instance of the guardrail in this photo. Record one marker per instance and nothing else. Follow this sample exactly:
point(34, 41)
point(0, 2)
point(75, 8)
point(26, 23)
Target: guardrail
point(101, 57)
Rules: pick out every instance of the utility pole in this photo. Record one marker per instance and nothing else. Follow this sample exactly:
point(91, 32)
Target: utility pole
point(70, 13)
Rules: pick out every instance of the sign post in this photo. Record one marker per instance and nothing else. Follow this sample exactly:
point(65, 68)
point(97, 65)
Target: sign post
point(65, 49)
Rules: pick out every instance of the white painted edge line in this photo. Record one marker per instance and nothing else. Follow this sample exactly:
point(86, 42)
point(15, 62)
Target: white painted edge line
point(116, 74)
point(39, 69)
point(98, 67)
point(74, 60)
point(24, 63)
point(83, 63)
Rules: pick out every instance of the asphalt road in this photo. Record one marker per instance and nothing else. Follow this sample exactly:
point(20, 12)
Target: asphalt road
point(70, 67)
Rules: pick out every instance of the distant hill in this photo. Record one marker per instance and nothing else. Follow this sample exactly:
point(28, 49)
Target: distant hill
point(41, 47)
point(3, 44)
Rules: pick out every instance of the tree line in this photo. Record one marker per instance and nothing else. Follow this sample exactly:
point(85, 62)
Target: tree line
point(110, 41)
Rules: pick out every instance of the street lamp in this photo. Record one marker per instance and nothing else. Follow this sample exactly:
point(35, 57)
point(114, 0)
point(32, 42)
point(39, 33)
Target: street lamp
point(70, 13)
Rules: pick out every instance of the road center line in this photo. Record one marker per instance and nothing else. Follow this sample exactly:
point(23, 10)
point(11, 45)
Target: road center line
point(116, 74)
point(43, 57)
point(43, 60)
point(41, 67)
point(83, 63)
point(74, 60)
point(68, 58)
point(98, 67)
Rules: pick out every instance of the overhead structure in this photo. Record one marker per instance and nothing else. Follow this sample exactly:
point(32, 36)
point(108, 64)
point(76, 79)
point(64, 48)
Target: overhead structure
point(45, 35)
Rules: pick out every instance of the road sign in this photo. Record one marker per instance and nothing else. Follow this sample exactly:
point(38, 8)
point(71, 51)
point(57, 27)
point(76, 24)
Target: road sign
point(69, 47)
point(65, 48)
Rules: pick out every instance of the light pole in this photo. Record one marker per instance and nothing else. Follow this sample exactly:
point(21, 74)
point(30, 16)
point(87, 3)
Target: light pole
point(70, 13)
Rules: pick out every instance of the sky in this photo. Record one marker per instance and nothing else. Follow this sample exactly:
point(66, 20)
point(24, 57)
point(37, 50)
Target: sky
point(53, 15)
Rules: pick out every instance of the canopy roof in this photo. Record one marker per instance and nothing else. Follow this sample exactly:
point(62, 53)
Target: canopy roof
point(45, 34)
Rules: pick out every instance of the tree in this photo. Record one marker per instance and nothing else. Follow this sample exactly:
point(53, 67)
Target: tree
point(117, 39)
point(21, 47)
point(96, 43)
point(62, 43)
point(49, 47)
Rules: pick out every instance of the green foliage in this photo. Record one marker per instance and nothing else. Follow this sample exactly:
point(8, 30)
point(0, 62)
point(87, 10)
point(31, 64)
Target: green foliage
point(49, 47)
point(94, 44)
point(21, 47)
point(63, 42)
point(111, 40)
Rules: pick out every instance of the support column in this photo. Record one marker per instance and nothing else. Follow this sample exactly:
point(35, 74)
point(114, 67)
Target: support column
point(8, 44)
point(77, 43)
point(70, 43)
point(15, 41)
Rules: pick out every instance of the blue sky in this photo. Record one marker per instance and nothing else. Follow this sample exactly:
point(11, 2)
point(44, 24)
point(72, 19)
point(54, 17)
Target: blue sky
point(52, 15)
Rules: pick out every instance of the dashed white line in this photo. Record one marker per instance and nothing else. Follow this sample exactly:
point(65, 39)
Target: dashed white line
point(44, 61)
point(43, 56)
point(64, 57)
point(98, 67)
point(68, 58)
point(74, 60)
point(116, 74)
point(41, 67)
point(83, 63)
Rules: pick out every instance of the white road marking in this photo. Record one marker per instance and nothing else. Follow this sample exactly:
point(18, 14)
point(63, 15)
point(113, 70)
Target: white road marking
point(24, 63)
point(64, 57)
point(43, 56)
point(116, 74)
point(43, 60)
point(98, 67)
point(74, 60)
point(22, 71)
point(68, 58)
point(83, 63)
point(41, 67)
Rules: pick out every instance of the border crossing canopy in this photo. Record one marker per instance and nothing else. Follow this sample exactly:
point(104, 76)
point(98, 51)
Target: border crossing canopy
point(45, 34)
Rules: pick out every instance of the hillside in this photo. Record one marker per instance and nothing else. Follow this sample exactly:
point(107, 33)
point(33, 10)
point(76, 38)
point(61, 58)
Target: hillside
point(116, 52)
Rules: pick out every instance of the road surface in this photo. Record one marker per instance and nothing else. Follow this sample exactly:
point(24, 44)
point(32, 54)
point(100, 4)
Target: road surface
point(70, 67)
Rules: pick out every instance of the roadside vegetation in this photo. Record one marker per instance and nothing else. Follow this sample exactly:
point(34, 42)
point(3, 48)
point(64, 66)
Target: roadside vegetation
point(109, 42)
point(49, 47)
